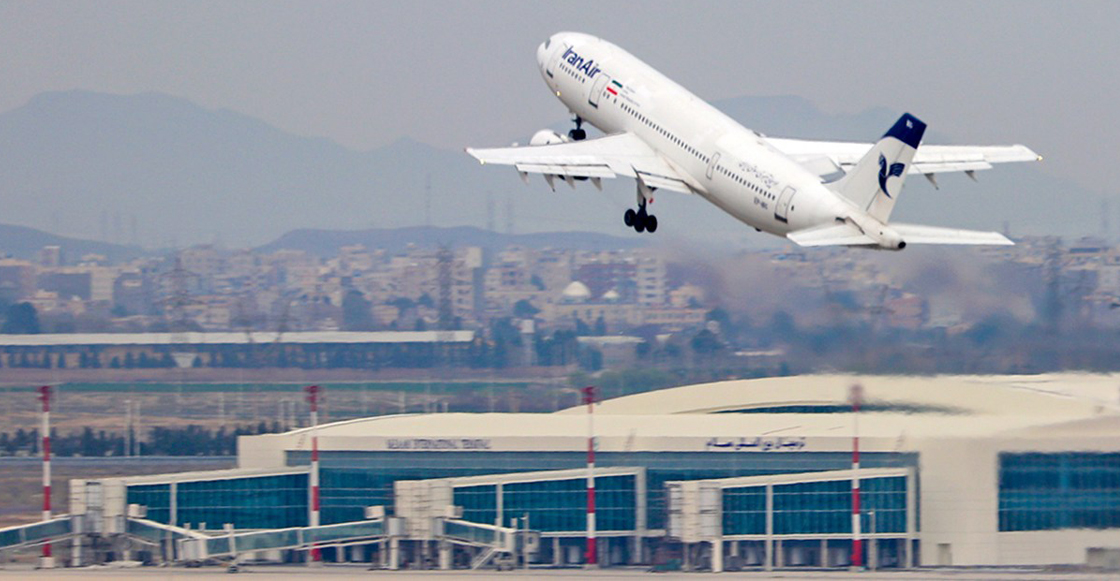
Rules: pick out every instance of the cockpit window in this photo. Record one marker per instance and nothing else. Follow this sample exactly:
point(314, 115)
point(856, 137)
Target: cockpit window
point(547, 42)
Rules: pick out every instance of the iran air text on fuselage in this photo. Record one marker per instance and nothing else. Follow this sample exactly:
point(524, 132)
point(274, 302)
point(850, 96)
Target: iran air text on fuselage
point(588, 68)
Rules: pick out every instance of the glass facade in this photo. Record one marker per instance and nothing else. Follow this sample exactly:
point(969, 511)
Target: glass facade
point(354, 480)
point(257, 502)
point(480, 503)
point(561, 505)
point(826, 507)
point(744, 511)
point(1046, 491)
point(817, 507)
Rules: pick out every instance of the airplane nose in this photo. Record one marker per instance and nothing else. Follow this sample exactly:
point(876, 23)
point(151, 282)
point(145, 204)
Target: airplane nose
point(541, 51)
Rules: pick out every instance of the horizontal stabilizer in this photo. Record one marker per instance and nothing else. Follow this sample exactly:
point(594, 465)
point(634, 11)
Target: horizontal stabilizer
point(832, 235)
point(915, 234)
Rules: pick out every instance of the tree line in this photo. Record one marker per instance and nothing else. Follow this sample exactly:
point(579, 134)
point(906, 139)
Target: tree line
point(192, 440)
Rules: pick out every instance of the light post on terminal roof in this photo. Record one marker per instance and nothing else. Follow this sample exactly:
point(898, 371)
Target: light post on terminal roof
point(855, 396)
point(592, 557)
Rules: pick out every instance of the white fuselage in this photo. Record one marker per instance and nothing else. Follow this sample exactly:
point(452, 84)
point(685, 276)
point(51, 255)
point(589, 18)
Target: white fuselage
point(731, 166)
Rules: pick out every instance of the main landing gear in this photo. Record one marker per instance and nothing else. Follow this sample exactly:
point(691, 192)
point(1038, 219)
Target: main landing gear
point(640, 220)
point(578, 134)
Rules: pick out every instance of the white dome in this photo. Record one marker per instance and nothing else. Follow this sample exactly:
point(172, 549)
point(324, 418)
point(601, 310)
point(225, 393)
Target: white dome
point(611, 295)
point(577, 291)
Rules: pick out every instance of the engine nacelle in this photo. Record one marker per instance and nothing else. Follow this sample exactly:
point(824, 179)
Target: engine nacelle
point(548, 137)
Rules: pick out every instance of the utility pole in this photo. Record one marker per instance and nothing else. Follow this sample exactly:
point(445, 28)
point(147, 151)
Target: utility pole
point(313, 477)
point(46, 561)
point(592, 560)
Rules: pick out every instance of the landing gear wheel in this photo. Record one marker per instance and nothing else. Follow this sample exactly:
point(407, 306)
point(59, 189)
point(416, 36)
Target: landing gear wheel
point(651, 223)
point(629, 217)
point(640, 223)
point(577, 134)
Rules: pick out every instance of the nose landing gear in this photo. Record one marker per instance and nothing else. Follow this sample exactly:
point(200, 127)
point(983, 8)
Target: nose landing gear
point(640, 220)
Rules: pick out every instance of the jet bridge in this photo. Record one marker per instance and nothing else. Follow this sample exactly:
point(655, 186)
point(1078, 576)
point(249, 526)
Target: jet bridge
point(489, 541)
point(22, 537)
point(234, 544)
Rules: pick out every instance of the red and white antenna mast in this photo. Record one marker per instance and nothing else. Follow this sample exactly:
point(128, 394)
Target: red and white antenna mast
point(592, 548)
point(855, 395)
point(47, 561)
point(313, 477)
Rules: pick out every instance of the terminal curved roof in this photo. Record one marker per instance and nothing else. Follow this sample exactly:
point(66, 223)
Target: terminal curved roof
point(1052, 395)
point(813, 406)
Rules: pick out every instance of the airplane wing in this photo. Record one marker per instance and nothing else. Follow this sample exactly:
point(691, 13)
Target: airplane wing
point(824, 157)
point(621, 154)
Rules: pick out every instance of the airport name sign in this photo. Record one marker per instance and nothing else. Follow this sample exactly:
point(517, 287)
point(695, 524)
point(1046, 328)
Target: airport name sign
point(438, 444)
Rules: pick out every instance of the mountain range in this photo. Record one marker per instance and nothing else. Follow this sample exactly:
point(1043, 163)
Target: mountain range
point(85, 163)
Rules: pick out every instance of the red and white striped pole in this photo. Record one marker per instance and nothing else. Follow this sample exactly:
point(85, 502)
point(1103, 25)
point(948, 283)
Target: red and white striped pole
point(592, 548)
point(856, 397)
point(47, 561)
point(313, 520)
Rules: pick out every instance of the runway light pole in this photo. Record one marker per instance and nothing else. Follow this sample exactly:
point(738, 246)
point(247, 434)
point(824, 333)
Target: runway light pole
point(313, 477)
point(855, 395)
point(47, 561)
point(592, 559)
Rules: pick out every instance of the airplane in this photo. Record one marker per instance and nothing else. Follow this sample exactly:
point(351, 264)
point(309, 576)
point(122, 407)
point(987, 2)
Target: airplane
point(814, 193)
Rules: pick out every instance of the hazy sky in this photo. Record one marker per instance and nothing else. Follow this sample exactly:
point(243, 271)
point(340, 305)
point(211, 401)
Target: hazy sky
point(450, 74)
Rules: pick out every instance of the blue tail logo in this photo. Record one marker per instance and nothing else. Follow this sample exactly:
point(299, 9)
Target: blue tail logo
point(895, 171)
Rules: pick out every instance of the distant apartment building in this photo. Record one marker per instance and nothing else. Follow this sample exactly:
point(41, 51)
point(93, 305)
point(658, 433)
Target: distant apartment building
point(67, 284)
point(651, 281)
point(51, 256)
point(17, 279)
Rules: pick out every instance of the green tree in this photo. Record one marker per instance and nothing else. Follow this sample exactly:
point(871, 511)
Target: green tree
point(706, 343)
point(356, 313)
point(21, 319)
point(523, 309)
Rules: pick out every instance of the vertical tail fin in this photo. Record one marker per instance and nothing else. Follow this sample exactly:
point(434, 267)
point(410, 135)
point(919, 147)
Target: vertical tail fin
point(875, 182)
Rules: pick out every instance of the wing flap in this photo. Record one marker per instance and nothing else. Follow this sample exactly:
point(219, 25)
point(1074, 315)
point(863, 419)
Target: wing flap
point(673, 183)
point(942, 167)
point(918, 234)
point(831, 235)
point(589, 170)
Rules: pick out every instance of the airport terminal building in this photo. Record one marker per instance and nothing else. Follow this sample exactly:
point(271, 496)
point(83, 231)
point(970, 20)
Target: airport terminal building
point(962, 471)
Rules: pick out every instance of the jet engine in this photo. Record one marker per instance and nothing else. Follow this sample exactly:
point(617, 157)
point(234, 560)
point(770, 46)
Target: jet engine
point(548, 137)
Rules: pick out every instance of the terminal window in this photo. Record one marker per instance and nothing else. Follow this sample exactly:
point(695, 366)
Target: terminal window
point(1046, 491)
